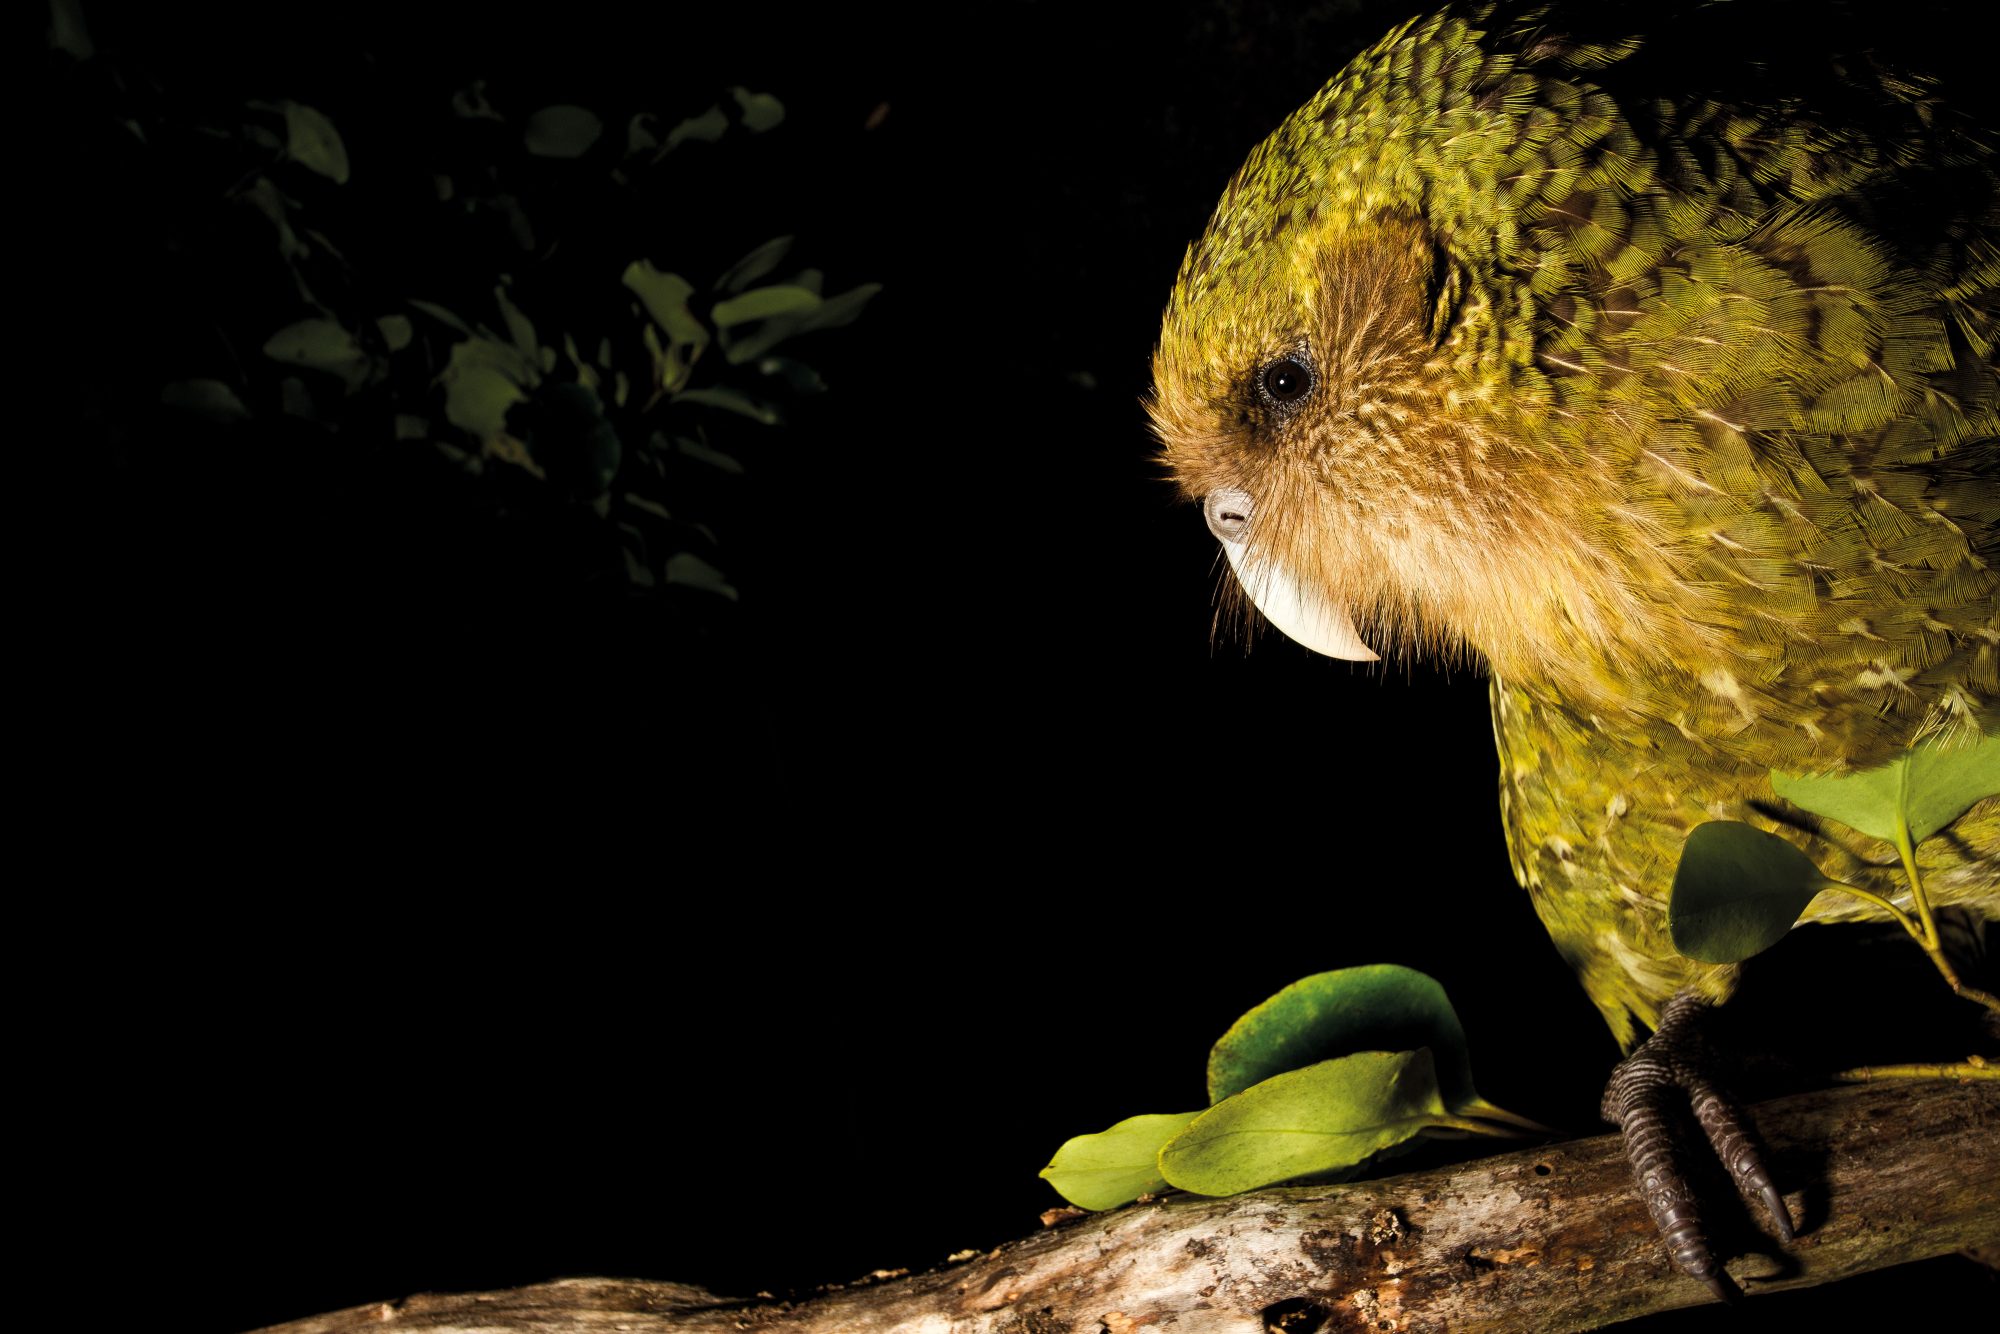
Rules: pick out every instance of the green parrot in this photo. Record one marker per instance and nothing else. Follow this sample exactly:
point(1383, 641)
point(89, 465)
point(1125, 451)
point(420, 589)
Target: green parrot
point(1672, 399)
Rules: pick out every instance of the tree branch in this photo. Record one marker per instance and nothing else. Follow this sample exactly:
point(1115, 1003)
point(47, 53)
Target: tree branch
point(1550, 1239)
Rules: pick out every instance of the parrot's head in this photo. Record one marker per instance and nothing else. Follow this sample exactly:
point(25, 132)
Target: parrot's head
point(1341, 398)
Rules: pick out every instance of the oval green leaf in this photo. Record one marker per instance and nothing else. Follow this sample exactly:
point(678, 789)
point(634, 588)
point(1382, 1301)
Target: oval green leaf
point(755, 265)
point(707, 453)
point(761, 111)
point(692, 571)
point(1327, 1116)
point(763, 303)
point(313, 142)
point(205, 398)
point(1922, 790)
point(1114, 1166)
point(562, 131)
point(397, 331)
point(441, 315)
point(320, 345)
point(1378, 1007)
point(1737, 891)
point(733, 400)
point(846, 308)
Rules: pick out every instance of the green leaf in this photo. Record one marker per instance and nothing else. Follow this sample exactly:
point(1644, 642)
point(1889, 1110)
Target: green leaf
point(732, 400)
point(441, 315)
point(762, 304)
point(652, 507)
point(483, 379)
point(1737, 891)
point(263, 195)
point(830, 313)
point(320, 345)
point(707, 453)
point(519, 328)
point(755, 265)
point(1923, 790)
point(205, 398)
point(844, 309)
point(692, 571)
point(640, 133)
point(67, 30)
point(562, 131)
point(709, 126)
point(1332, 1115)
point(665, 296)
point(1114, 1166)
point(396, 331)
point(761, 111)
point(1377, 1007)
point(313, 142)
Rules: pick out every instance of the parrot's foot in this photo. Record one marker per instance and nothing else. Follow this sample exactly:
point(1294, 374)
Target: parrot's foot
point(1671, 1066)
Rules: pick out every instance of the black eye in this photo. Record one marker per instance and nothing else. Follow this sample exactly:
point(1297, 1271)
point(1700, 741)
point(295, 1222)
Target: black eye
point(1285, 382)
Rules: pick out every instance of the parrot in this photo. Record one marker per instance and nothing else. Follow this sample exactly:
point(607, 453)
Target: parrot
point(1662, 387)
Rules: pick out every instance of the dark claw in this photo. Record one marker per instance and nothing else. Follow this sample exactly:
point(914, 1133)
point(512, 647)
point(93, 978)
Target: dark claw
point(1668, 1066)
point(1734, 1141)
point(1781, 1217)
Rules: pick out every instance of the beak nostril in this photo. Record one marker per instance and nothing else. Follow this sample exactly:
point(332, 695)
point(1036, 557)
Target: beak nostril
point(1228, 514)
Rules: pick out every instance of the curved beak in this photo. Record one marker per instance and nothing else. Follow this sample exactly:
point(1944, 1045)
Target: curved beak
point(1322, 626)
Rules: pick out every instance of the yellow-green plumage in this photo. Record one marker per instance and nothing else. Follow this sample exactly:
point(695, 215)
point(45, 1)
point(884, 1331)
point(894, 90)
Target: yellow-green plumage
point(1678, 410)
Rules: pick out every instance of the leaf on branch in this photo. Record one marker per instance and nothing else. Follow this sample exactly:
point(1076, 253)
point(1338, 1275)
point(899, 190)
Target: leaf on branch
point(733, 400)
point(665, 296)
point(562, 131)
point(211, 399)
point(1329, 1116)
point(1922, 790)
point(396, 331)
point(764, 303)
point(320, 345)
point(1376, 1007)
point(441, 315)
point(1114, 1166)
point(519, 327)
point(830, 313)
point(483, 379)
point(761, 111)
point(1737, 891)
point(692, 571)
point(313, 142)
point(755, 265)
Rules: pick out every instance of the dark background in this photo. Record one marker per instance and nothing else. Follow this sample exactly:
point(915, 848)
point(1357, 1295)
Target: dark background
point(454, 926)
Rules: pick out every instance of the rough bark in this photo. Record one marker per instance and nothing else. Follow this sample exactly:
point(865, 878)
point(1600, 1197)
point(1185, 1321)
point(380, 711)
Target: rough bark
point(1547, 1239)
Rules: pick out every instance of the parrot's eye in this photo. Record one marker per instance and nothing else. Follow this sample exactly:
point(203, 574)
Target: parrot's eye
point(1285, 382)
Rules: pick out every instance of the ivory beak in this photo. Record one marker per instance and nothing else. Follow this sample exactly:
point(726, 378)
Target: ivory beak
point(1322, 626)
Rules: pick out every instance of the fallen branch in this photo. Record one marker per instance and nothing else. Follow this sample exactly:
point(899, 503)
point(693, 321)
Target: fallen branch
point(1549, 1239)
